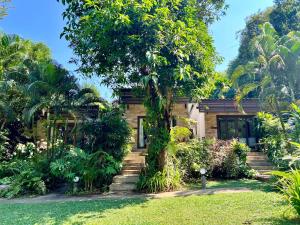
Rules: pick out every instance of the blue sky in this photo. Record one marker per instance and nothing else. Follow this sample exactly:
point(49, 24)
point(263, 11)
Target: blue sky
point(41, 21)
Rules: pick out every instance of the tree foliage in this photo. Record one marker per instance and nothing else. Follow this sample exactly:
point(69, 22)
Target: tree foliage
point(161, 47)
point(283, 16)
point(274, 70)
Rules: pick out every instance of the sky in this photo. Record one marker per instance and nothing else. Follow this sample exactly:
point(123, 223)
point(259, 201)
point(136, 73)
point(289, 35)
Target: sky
point(41, 21)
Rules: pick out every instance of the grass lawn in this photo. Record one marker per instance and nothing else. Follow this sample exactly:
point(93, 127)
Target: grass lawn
point(232, 184)
point(258, 207)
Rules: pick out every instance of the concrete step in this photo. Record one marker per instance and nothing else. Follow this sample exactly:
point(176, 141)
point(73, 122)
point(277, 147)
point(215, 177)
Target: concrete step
point(259, 163)
point(135, 154)
point(126, 172)
point(259, 168)
point(131, 161)
point(132, 167)
point(263, 177)
point(131, 178)
point(119, 187)
point(264, 172)
point(256, 154)
point(264, 157)
point(134, 164)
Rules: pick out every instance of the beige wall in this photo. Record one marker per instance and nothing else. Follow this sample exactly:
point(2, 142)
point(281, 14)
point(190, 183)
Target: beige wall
point(133, 111)
point(199, 117)
point(211, 126)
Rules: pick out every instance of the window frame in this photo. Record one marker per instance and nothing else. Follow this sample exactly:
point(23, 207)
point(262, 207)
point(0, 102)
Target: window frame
point(235, 118)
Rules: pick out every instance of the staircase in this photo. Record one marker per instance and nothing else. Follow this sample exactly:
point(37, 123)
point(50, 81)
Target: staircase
point(133, 163)
point(260, 162)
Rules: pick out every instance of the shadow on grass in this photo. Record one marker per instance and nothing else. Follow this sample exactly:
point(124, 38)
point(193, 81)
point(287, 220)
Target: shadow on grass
point(235, 184)
point(77, 212)
point(277, 221)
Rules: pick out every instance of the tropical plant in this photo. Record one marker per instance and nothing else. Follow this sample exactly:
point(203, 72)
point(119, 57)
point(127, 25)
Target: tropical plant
point(4, 155)
point(229, 159)
point(110, 132)
point(23, 179)
point(194, 155)
point(284, 17)
point(289, 185)
point(134, 49)
point(294, 122)
point(275, 56)
point(90, 168)
point(272, 141)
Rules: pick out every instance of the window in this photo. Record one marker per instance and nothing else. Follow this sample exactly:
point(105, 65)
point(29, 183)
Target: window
point(241, 127)
point(141, 133)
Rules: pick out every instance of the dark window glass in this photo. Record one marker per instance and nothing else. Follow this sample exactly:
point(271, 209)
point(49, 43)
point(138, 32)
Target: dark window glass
point(241, 127)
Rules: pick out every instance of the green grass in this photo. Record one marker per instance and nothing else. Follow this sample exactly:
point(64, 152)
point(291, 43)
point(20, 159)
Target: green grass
point(257, 207)
point(234, 184)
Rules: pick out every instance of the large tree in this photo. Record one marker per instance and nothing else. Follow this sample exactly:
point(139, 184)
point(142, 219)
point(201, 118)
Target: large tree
point(274, 71)
point(160, 47)
point(284, 17)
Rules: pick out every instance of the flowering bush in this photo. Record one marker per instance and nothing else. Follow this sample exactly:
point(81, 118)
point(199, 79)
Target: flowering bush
point(221, 159)
point(24, 151)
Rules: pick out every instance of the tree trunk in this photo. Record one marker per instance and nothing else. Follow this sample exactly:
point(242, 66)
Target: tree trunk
point(163, 155)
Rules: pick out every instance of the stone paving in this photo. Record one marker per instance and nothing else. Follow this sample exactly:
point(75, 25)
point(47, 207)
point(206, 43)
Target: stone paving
point(66, 198)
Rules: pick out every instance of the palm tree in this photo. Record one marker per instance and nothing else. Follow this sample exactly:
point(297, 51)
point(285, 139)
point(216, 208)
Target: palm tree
point(54, 91)
point(48, 88)
point(272, 71)
point(290, 53)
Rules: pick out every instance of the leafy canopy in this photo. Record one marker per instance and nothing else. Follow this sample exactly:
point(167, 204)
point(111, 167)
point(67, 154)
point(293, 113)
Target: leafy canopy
point(283, 16)
point(124, 41)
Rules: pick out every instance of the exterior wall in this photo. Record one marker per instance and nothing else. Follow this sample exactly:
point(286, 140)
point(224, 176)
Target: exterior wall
point(211, 125)
point(199, 117)
point(134, 111)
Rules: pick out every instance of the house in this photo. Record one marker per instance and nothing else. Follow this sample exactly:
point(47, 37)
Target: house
point(216, 118)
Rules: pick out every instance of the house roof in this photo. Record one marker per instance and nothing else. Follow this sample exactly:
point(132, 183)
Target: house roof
point(229, 106)
point(127, 96)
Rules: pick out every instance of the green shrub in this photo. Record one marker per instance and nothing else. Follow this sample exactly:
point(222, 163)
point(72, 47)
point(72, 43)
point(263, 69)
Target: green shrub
point(289, 184)
point(167, 180)
point(92, 169)
point(221, 159)
point(273, 142)
point(194, 155)
point(180, 134)
point(25, 181)
point(229, 159)
point(109, 133)
point(4, 146)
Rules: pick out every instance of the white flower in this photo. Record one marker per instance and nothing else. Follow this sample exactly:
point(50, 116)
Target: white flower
point(21, 148)
point(76, 179)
